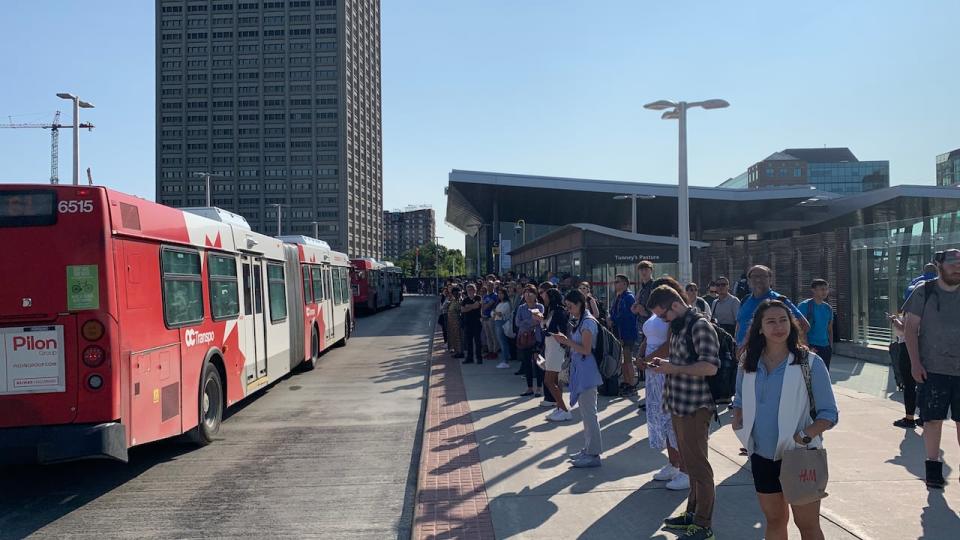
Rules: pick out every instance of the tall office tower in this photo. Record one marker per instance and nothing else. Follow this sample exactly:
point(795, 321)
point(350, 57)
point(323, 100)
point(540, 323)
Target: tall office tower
point(280, 100)
point(406, 229)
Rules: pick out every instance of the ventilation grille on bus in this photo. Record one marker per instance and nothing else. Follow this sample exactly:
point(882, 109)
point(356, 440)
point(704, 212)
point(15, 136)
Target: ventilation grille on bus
point(130, 216)
point(169, 401)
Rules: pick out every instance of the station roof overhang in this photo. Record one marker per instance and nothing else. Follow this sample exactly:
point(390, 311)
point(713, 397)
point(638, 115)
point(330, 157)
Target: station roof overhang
point(545, 200)
point(615, 235)
point(892, 203)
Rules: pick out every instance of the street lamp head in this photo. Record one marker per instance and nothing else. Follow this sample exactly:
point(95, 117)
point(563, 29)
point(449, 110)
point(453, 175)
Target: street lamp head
point(621, 197)
point(85, 104)
point(714, 104)
point(670, 115)
point(660, 105)
point(65, 95)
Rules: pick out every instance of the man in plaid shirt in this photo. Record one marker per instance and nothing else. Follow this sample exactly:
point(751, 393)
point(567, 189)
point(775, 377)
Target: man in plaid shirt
point(687, 396)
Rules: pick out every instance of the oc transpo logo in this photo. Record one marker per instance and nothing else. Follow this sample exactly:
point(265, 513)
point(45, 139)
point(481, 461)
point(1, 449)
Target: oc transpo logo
point(192, 337)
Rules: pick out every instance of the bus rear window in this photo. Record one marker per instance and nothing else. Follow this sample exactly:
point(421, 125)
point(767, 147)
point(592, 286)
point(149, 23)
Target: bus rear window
point(28, 208)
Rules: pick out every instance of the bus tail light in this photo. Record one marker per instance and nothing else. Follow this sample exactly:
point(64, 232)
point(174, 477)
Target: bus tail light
point(92, 330)
point(95, 382)
point(94, 356)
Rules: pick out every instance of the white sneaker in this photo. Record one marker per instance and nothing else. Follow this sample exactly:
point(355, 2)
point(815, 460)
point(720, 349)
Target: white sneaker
point(503, 365)
point(546, 403)
point(667, 473)
point(680, 482)
point(559, 415)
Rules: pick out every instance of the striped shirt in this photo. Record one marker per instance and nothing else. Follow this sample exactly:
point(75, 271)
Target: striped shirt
point(684, 394)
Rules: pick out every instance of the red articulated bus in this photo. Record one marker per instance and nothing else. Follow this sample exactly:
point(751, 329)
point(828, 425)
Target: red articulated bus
point(376, 285)
point(123, 321)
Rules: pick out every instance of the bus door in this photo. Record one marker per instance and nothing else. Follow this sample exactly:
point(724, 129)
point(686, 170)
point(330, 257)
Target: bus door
point(253, 324)
point(329, 313)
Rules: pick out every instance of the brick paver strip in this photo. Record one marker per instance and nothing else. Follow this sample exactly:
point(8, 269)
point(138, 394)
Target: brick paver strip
point(451, 498)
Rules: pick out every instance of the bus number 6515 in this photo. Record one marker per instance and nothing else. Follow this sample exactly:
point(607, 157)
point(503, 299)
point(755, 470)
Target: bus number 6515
point(74, 207)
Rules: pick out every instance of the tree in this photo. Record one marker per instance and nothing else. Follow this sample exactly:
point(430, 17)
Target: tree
point(451, 261)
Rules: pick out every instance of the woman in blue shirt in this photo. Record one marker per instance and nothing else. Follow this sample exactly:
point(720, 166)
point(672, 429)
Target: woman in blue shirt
point(771, 388)
point(527, 324)
point(584, 376)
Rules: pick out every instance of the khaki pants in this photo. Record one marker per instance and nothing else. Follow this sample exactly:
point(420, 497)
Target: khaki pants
point(692, 432)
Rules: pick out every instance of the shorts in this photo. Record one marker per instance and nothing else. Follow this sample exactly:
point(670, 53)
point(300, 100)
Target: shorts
point(938, 394)
point(766, 474)
point(631, 347)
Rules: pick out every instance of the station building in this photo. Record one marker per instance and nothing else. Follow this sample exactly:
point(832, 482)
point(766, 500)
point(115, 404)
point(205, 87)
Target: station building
point(867, 245)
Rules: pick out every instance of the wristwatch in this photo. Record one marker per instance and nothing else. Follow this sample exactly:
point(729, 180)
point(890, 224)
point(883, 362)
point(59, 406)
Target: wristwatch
point(804, 438)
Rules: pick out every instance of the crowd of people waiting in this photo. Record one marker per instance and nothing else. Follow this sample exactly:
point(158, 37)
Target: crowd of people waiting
point(673, 341)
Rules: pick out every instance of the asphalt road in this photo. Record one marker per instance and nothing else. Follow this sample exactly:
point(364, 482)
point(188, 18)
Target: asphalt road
point(320, 454)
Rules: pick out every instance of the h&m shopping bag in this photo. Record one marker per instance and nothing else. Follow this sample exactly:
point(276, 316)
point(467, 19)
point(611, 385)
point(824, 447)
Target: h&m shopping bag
point(803, 475)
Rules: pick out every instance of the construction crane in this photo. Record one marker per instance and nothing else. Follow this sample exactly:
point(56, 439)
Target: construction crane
point(54, 128)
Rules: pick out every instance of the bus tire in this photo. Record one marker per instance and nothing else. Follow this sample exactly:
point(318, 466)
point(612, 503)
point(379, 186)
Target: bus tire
point(210, 406)
point(311, 362)
point(346, 332)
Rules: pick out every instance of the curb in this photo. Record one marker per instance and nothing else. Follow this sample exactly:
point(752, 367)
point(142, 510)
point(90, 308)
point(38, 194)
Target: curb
point(408, 519)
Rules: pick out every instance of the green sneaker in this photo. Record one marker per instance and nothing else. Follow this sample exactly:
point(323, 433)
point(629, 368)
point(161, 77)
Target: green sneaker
point(681, 522)
point(696, 532)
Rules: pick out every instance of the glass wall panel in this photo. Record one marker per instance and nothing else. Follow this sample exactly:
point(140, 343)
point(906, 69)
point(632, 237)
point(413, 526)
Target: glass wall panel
point(885, 257)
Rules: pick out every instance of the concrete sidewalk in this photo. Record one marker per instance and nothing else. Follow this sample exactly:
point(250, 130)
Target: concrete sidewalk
point(875, 469)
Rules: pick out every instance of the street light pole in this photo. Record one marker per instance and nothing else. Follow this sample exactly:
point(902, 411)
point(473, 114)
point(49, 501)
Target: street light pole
point(436, 250)
point(683, 214)
point(679, 112)
point(279, 206)
point(77, 105)
point(206, 178)
point(316, 229)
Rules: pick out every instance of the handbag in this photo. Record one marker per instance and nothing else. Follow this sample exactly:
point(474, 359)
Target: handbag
point(526, 339)
point(804, 471)
point(541, 361)
point(895, 353)
point(803, 475)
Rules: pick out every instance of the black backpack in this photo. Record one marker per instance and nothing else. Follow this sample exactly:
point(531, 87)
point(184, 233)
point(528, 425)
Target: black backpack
point(723, 384)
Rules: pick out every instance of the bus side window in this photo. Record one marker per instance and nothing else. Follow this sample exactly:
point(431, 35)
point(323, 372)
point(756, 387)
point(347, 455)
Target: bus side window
point(224, 296)
point(344, 286)
point(335, 275)
point(317, 283)
point(277, 289)
point(182, 287)
point(307, 290)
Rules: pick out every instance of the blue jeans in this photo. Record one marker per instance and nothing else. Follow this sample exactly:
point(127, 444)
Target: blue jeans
point(503, 339)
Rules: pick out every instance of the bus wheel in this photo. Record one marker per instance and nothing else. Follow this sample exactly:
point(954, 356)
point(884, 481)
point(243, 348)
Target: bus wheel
point(346, 332)
point(210, 406)
point(314, 349)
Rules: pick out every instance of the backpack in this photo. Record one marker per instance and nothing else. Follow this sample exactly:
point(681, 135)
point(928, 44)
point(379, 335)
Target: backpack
point(608, 352)
point(723, 384)
point(602, 309)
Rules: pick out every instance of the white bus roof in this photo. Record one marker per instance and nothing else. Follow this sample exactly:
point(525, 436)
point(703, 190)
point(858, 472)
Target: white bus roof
point(219, 214)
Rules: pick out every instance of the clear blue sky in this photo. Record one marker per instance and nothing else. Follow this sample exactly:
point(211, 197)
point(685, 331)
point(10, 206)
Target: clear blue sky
point(542, 87)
